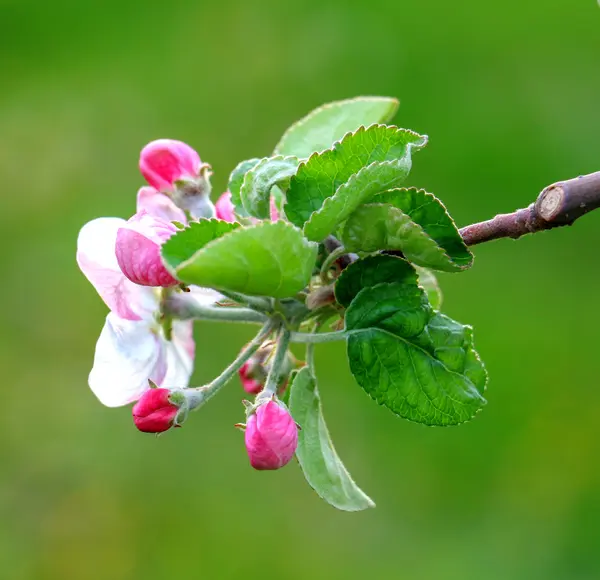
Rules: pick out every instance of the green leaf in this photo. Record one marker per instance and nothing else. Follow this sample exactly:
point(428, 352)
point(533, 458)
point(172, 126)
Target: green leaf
point(421, 366)
point(412, 221)
point(235, 182)
point(185, 243)
point(316, 454)
point(323, 173)
point(329, 123)
point(371, 271)
point(267, 259)
point(255, 192)
point(429, 283)
point(360, 187)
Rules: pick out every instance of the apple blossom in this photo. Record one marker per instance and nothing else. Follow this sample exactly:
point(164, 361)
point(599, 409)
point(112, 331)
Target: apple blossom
point(132, 347)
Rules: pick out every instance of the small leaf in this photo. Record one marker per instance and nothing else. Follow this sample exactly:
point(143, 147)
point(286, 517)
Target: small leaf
point(329, 123)
point(429, 283)
point(268, 259)
point(316, 454)
point(360, 187)
point(235, 182)
point(412, 221)
point(185, 243)
point(323, 173)
point(421, 366)
point(255, 192)
point(369, 272)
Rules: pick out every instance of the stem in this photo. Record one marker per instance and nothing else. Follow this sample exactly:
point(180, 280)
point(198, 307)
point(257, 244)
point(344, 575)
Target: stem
point(280, 354)
point(254, 302)
point(203, 394)
point(309, 338)
point(185, 308)
point(330, 260)
point(559, 204)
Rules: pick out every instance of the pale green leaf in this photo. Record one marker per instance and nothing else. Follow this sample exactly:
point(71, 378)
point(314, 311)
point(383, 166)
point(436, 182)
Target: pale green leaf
point(316, 454)
point(267, 259)
point(329, 123)
point(185, 243)
point(430, 284)
point(255, 192)
point(235, 183)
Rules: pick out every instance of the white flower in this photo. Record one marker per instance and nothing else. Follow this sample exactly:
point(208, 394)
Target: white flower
point(132, 347)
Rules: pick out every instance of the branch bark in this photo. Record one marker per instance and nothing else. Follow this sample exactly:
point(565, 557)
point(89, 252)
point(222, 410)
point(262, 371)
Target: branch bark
point(559, 204)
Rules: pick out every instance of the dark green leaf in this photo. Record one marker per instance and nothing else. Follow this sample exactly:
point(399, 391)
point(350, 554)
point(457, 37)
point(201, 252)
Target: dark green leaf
point(316, 454)
point(422, 366)
point(371, 271)
point(268, 259)
point(255, 192)
point(329, 123)
point(323, 173)
point(360, 187)
point(410, 220)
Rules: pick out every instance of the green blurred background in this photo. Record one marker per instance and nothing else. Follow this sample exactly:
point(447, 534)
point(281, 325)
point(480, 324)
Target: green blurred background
point(509, 94)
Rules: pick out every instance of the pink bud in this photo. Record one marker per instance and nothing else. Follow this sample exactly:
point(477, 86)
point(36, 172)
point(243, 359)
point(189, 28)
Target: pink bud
point(273, 210)
point(271, 436)
point(154, 412)
point(251, 385)
point(138, 250)
point(164, 161)
point(224, 208)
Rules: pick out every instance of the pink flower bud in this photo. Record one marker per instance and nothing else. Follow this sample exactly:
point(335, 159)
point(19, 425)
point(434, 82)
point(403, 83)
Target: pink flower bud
point(271, 436)
point(224, 208)
point(154, 412)
point(251, 384)
point(164, 161)
point(273, 210)
point(138, 250)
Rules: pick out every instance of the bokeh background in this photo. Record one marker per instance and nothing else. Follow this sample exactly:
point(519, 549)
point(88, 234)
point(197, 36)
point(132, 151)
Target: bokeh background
point(509, 93)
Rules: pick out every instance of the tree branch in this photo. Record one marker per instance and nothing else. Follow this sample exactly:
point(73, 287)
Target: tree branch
point(559, 204)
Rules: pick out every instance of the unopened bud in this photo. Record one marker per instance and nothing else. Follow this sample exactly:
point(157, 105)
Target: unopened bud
point(224, 208)
point(175, 168)
point(271, 436)
point(158, 409)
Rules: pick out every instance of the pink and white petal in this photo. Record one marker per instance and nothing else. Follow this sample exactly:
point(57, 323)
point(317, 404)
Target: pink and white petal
point(179, 355)
point(159, 205)
point(140, 260)
point(126, 354)
point(97, 259)
point(204, 296)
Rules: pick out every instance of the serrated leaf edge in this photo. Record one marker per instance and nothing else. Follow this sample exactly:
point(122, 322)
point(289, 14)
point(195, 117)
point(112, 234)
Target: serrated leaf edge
point(268, 224)
point(445, 254)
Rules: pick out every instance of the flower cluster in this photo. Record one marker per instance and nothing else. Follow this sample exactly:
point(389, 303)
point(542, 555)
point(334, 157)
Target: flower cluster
point(143, 354)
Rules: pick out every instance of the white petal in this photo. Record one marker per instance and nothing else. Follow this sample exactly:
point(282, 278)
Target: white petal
point(179, 355)
point(127, 353)
point(97, 260)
